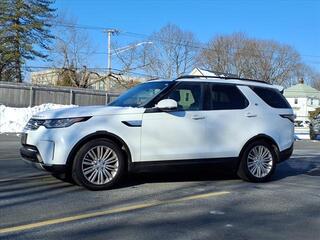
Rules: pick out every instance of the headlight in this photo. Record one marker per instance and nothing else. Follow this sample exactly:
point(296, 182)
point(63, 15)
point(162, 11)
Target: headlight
point(34, 124)
point(63, 122)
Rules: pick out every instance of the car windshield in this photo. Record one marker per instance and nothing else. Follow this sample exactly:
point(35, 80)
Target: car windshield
point(140, 95)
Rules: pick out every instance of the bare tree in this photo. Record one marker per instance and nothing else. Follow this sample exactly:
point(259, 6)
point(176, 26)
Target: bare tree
point(129, 63)
point(251, 58)
point(306, 73)
point(316, 80)
point(172, 53)
point(72, 53)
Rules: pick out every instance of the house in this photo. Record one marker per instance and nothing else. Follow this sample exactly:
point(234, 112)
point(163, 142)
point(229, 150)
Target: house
point(303, 99)
point(98, 81)
point(47, 77)
point(202, 72)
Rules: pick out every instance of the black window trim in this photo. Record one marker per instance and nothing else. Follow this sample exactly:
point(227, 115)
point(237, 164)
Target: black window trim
point(208, 91)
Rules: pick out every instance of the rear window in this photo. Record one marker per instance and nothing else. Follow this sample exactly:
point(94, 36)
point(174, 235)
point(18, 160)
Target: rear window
point(272, 97)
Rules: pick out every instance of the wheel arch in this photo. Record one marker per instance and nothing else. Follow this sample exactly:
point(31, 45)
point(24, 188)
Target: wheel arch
point(262, 137)
point(100, 134)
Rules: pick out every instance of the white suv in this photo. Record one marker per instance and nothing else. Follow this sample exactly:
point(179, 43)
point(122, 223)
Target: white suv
point(192, 119)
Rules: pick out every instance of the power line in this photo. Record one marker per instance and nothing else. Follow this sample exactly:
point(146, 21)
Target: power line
point(186, 44)
point(61, 24)
point(134, 34)
point(243, 53)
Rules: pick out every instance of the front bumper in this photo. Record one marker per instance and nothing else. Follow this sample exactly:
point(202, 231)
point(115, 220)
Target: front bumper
point(286, 154)
point(31, 155)
point(52, 145)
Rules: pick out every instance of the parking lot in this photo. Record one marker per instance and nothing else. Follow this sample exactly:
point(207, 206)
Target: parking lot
point(179, 204)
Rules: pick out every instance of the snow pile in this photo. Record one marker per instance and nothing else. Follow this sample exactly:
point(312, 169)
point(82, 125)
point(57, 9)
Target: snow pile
point(13, 120)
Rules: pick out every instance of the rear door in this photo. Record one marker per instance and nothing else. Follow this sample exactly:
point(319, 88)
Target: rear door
point(228, 117)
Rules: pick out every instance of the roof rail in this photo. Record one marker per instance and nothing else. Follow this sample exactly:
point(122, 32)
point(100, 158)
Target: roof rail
point(222, 77)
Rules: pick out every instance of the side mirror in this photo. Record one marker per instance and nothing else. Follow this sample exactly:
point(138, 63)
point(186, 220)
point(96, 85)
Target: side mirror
point(167, 104)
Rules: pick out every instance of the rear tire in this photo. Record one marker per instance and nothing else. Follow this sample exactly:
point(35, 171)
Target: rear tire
point(258, 162)
point(312, 136)
point(98, 165)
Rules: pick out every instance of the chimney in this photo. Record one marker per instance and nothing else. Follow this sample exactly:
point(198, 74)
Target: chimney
point(301, 81)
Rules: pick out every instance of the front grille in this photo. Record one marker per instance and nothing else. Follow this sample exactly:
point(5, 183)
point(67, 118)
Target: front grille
point(30, 153)
point(34, 124)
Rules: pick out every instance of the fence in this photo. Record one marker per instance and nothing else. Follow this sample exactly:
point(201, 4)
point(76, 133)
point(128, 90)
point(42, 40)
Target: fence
point(26, 95)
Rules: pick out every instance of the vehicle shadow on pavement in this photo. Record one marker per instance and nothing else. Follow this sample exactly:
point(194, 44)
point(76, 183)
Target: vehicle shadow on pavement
point(294, 167)
point(179, 174)
point(165, 174)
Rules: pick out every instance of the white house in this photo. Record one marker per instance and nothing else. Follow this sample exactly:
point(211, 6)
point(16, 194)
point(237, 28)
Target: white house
point(302, 99)
point(202, 72)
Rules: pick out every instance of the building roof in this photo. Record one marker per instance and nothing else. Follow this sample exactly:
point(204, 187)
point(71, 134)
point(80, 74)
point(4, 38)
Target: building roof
point(209, 76)
point(203, 72)
point(301, 90)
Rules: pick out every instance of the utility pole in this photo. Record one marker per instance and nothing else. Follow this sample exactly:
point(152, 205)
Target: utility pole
point(110, 32)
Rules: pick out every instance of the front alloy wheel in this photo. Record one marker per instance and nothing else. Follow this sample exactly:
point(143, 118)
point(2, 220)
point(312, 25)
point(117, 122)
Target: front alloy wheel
point(98, 165)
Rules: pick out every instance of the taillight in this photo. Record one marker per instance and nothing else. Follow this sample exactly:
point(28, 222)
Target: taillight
point(291, 117)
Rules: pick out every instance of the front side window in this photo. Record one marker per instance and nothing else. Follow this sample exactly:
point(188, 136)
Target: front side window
point(188, 96)
point(225, 97)
point(140, 95)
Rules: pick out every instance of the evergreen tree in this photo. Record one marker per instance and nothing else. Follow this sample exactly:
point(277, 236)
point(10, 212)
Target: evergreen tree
point(24, 33)
point(5, 53)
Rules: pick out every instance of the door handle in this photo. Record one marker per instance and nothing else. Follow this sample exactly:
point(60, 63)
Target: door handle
point(249, 114)
point(198, 117)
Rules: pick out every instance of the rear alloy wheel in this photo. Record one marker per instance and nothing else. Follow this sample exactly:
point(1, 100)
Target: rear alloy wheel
point(98, 165)
point(312, 136)
point(258, 162)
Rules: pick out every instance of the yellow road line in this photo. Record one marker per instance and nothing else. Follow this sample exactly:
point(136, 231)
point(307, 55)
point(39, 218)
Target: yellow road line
point(107, 212)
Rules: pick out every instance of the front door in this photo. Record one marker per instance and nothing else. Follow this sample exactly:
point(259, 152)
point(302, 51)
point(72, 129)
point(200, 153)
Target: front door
point(179, 134)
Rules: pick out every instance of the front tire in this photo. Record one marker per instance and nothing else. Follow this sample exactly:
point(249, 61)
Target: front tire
point(258, 162)
point(98, 165)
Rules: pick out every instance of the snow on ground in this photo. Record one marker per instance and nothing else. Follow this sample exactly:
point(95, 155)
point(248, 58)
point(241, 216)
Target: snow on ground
point(13, 120)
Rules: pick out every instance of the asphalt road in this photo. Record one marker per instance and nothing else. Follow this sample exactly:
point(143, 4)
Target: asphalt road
point(204, 204)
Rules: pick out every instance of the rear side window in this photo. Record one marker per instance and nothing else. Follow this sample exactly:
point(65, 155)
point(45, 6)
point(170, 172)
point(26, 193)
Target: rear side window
point(223, 97)
point(272, 97)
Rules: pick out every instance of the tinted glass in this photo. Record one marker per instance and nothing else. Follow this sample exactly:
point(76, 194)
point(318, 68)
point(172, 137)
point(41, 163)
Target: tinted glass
point(140, 95)
point(188, 96)
point(222, 97)
point(272, 97)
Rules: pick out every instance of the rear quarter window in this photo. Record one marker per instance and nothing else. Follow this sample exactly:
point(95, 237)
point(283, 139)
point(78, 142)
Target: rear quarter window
point(272, 97)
